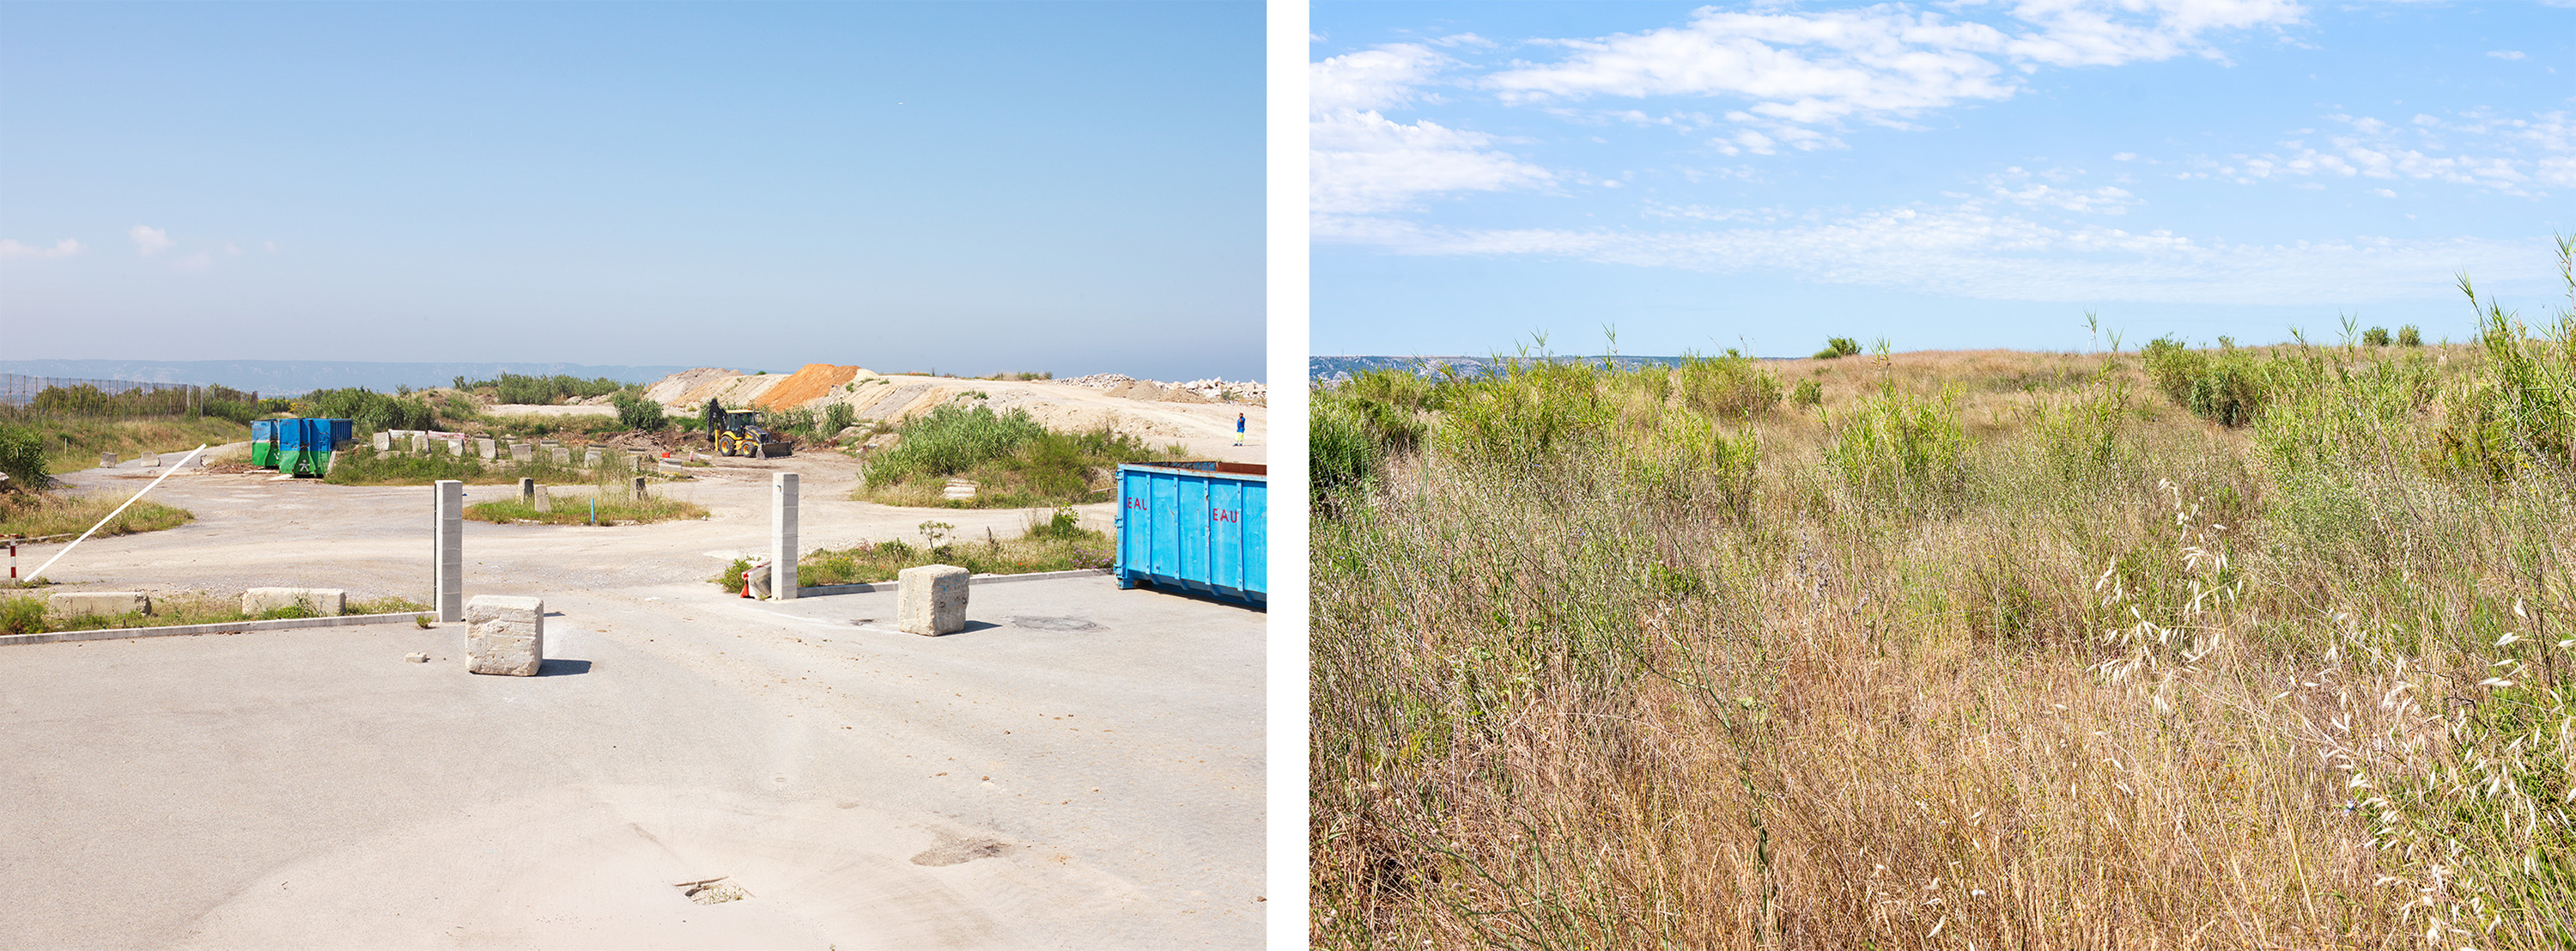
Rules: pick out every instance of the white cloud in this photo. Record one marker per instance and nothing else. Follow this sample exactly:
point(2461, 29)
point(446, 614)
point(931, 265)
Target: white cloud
point(1971, 252)
point(1364, 162)
point(2505, 54)
point(10, 248)
point(2015, 185)
point(2514, 156)
point(1372, 79)
point(149, 240)
point(1879, 63)
point(1360, 161)
point(2384, 192)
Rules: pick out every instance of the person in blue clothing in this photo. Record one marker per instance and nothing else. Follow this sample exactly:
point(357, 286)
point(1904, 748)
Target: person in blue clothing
point(1238, 429)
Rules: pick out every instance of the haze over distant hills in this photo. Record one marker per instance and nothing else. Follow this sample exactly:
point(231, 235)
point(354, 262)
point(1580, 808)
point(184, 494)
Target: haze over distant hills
point(289, 377)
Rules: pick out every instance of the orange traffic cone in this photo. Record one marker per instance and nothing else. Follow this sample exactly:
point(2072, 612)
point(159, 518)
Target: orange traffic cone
point(746, 584)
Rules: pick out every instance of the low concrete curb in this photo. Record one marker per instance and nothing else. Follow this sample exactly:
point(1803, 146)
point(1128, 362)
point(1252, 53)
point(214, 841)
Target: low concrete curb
point(816, 591)
point(118, 634)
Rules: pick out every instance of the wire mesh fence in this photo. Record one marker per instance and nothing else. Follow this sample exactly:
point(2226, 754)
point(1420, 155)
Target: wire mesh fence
point(25, 397)
point(21, 390)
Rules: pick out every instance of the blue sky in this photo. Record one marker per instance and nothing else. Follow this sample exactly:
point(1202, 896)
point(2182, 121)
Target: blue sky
point(973, 187)
point(1945, 175)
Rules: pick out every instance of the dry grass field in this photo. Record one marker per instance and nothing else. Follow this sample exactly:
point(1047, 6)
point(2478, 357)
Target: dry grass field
point(1954, 650)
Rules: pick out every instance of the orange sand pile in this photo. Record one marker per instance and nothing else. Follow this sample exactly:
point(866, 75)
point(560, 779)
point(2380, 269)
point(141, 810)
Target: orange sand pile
point(813, 382)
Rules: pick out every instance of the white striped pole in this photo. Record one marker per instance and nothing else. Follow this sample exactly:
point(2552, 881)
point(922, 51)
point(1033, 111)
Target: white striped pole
point(111, 516)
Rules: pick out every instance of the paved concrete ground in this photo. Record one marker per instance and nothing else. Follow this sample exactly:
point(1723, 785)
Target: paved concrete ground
point(1081, 768)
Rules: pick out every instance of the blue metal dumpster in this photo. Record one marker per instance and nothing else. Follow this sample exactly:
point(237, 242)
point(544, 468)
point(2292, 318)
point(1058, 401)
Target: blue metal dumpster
point(304, 446)
point(263, 443)
point(1196, 526)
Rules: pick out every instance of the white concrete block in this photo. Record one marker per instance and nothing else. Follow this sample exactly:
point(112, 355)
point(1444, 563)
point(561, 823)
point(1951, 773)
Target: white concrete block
point(106, 460)
point(323, 602)
point(505, 635)
point(931, 600)
point(106, 603)
point(592, 458)
point(148, 460)
point(383, 440)
point(487, 448)
point(562, 456)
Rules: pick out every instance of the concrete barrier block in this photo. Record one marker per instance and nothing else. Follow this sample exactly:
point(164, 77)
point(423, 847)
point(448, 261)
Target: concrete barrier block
point(562, 456)
point(323, 602)
point(545, 500)
point(931, 600)
point(505, 635)
point(593, 458)
point(148, 460)
point(383, 440)
point(105, 603)
point(106, 460)
point(522, 452)
point(487, 448)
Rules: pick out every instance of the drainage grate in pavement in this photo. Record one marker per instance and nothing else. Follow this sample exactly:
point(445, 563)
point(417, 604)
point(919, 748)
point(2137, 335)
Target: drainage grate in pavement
point(713, 891)
point(1053, 623)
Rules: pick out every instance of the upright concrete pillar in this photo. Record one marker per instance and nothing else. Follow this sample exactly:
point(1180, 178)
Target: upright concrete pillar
point(782, 535)
point(639, 488)
point(528, 492)
point(449, 526)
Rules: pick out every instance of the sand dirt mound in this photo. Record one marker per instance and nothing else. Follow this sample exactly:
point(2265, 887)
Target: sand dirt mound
point(671, 389)
point(812, 383)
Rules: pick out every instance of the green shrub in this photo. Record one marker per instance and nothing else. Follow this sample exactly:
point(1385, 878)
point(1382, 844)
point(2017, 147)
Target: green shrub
point(949, 440)
point(22, 615)
point(1064, 524)
point(2408, 336)
point(1525, 416)
point(2227, 387)
point(2080, 440)
point(368, 411)
point(1807, 393)
point(1730, 386)
point(1837, 348)
point(1902, 449)
point(22, 459)
point(837, 417)
point(2375, 337)
point(540, 390)
point(2518, 412)
point(1352, 430)
point(1690, 462)
point(637, 413)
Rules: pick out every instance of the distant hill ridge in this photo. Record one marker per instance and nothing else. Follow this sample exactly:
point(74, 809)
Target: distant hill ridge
point(290, 377)
point(1337, 369)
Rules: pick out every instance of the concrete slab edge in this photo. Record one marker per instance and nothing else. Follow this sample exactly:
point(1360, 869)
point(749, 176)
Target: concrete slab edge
point(282, 624)
point(815, 591)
